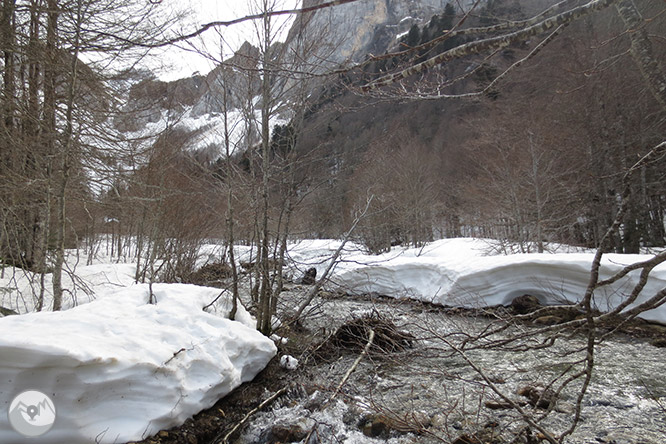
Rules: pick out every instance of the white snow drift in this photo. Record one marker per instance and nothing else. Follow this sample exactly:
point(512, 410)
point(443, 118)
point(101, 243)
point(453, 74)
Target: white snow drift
point(457, 272)
point(119, 368)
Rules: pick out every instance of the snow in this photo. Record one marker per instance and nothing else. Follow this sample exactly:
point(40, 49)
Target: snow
point(81, 284)
point(288, 362)
point(119, 368)
point(206, 129)
point(458, 272)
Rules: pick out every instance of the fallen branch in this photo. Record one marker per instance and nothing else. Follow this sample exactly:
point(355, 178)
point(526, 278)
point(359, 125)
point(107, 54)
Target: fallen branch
point(371, 337)
point(333, 262)
point(249, 414)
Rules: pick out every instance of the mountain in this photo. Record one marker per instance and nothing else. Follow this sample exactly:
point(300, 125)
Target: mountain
point(335, 37)
point(351, 31)
point(457, 149)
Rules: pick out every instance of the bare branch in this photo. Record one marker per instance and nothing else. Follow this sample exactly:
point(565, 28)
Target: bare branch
point(492, 43)
point(217, 24)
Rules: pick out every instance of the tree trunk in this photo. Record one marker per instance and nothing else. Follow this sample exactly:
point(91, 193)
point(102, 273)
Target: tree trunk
point(7, 43)
point(265, 294)
point(65, 164)
point(641, 50)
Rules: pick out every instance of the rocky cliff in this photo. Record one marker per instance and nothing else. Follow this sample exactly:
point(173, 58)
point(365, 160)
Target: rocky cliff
point(349, 32)
point(317, 42)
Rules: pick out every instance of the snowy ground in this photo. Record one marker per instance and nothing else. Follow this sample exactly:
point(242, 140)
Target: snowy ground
point(119, 368)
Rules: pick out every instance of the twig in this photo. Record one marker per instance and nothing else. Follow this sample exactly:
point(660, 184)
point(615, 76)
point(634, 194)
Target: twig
point(174, 355)
point(263, 404)
point(333, 262)
point(371, 338)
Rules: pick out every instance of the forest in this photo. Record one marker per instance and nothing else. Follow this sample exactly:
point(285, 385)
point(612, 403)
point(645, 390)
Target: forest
point(527, 141)
point(320, 165)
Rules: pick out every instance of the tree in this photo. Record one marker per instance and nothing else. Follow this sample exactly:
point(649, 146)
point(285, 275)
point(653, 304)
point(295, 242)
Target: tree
point(401, 175)
point(63, 106)
point(272, 179)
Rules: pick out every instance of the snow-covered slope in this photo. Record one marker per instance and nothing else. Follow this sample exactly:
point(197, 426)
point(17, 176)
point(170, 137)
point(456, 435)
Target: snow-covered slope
point(119, 368)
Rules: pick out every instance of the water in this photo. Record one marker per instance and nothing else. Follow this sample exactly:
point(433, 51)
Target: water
point(431, 393)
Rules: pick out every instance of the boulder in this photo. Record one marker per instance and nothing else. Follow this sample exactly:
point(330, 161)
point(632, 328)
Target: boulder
point(539, 397)
point(309, 277)
point(525, 304)
point(287, 433)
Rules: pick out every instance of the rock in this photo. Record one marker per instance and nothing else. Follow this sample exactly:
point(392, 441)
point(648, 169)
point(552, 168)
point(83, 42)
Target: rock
point(7, 312)
point(525, 304)
point(539, 397)
point(287, 433)
point(375, 426)
point(439, 420)
point(309, 277)
point(658, 342)
point(548, 320)
point(485, 435)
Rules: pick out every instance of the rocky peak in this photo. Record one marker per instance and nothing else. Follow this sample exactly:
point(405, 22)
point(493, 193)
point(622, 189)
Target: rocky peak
point(348, 32)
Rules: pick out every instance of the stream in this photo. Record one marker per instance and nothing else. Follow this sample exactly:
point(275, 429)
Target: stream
point(428, 393)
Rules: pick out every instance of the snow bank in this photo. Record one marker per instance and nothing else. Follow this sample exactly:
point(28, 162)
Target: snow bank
point(119, 369)
point(458, 272)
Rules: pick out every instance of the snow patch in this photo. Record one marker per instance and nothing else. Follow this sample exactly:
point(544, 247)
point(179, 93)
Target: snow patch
point(453, 272)
point(458, 272)
point(288, 362)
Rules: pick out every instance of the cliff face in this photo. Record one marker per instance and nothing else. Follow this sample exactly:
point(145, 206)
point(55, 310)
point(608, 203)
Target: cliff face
point(317, 42)
point(348, 32)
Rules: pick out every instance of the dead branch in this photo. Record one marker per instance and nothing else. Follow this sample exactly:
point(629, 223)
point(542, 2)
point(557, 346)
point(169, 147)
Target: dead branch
point(371, 337)
point(249, 414)
point(333, 262)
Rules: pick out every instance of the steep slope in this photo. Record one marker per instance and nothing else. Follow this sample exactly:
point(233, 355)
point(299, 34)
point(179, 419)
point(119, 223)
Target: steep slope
point(535, 156)
point(334, 36)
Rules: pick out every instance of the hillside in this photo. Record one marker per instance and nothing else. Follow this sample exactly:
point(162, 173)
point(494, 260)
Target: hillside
point(488, 151)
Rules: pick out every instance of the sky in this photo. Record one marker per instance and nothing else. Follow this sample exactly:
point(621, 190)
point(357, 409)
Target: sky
point(186, 59)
